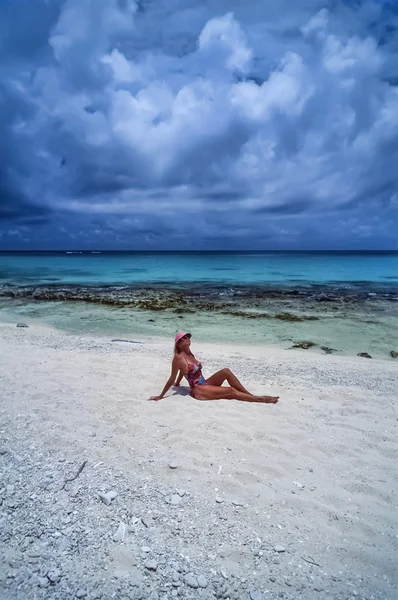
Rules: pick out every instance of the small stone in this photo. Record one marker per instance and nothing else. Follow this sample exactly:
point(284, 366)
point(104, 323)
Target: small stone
point(288, 582)
point(3, 451)
point(191, 581)
point(175, 499)
point(105, 499)
point(394, 354)
point(364, 354)
point(54, 575)
point(81, 594)
point(279, 548)
point(120, 533)
point(151, 565)
point(108, 497)
point(43, 581)
point(145, 549)
point(173, 465)
point(318, 588)
point(256, 595)
point(22, 325)
point(202, 581)
point(219, 500)
point(272, 578)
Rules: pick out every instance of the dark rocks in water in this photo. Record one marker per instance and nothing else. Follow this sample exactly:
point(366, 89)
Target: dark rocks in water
point(364, 355)
point(328, 350)
point(151, 320)
point(394, 354)
point(22, 325)
point(304, 345)
point(245, 315)
point(183, 311)
point(286, 316)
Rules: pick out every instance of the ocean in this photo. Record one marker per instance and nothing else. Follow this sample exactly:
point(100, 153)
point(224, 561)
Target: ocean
point(343, 301)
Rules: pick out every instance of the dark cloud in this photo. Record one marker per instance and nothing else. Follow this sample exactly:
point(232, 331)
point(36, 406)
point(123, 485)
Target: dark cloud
point(137, 124)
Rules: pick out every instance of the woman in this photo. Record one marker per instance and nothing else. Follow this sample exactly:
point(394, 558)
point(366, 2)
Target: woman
point(205, 389)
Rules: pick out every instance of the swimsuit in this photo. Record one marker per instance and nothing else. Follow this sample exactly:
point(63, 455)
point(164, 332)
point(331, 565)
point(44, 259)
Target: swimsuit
point(194, 376)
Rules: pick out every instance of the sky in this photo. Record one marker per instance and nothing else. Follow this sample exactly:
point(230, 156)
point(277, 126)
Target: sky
point(198, 124)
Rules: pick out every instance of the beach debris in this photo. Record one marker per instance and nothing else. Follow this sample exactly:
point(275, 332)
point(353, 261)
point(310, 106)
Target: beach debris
point(219, 499)
point(108, 497)
point(3, 451)
point(299, 485)
point(364, 355)
point(310, 561)
point(22, 325)
point(69, 479)
point(81, 593)
point(280, 549)
point(126, 341)
point(328, 350)
point(304, 345)
point(173, 465)
point(394, 354)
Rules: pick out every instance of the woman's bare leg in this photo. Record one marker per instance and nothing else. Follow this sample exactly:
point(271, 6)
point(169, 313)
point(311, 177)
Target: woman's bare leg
point(215, 392)
point(226, 375)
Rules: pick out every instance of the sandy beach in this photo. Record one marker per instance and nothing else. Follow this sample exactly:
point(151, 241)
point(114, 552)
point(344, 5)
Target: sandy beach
point(217, 499)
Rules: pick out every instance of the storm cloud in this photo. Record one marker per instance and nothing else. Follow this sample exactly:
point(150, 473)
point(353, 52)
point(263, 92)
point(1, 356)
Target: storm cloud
point(182, 124)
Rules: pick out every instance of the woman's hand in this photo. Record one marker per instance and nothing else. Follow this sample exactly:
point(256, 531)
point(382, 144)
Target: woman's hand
point(156, 398)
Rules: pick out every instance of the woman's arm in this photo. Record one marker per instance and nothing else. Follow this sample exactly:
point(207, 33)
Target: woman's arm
point(175, 366)
point(178, 380)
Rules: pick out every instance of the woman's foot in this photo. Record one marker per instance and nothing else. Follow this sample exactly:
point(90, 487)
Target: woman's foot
point(270, 399)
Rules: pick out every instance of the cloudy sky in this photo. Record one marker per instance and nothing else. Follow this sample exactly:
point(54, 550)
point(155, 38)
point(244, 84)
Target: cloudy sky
point(190, 124)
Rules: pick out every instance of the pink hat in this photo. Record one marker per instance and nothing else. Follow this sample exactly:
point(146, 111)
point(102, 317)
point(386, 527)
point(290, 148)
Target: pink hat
point(180, 335)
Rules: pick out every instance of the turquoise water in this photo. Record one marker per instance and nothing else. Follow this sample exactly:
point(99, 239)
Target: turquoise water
point(238, 268)
point(348, 302)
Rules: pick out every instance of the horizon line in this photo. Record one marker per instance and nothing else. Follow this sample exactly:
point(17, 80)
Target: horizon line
point(230, 251)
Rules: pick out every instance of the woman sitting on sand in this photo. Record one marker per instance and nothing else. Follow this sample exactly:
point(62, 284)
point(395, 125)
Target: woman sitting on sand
point(205, 389)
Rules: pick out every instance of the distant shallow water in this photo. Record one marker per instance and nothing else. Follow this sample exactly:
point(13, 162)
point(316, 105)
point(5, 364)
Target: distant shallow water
point(228, 301)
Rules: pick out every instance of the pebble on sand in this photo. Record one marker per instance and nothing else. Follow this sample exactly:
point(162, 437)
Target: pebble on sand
point(256, 595)
point(108, 497)
point(173, 465)
point(279, 548)
point(191, 581)
point(151, 565)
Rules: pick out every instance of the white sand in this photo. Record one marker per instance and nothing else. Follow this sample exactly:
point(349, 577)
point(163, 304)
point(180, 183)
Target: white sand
point(334, 432)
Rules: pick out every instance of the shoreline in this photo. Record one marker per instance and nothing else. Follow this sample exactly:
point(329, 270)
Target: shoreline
point(306, 335)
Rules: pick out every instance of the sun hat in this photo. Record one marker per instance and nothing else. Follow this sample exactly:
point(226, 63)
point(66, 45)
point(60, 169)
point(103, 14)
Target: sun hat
point(180, 335)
